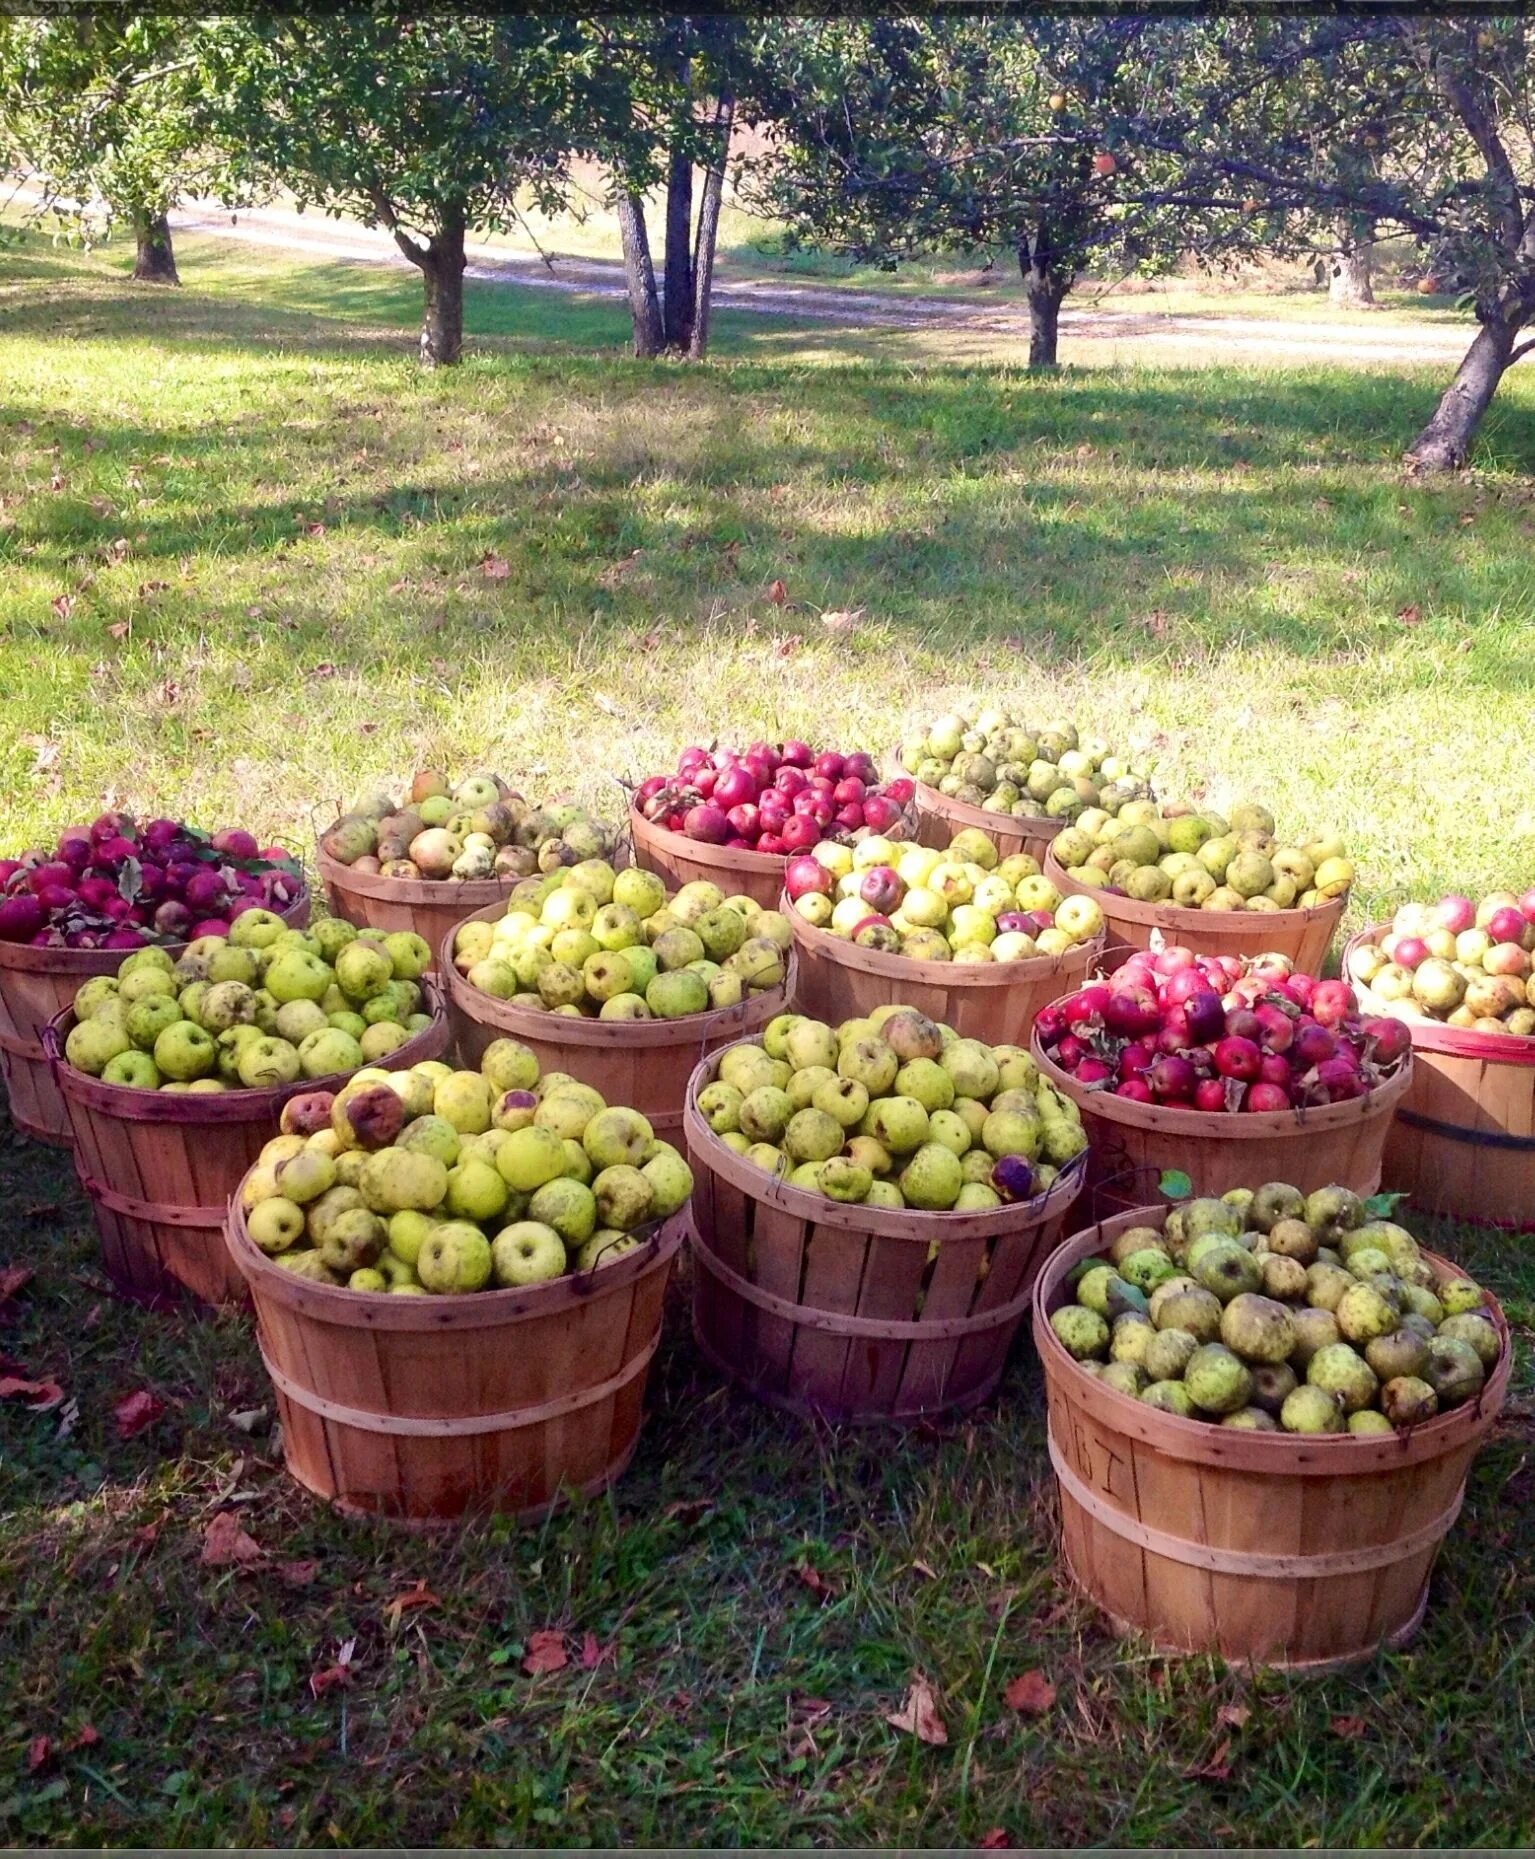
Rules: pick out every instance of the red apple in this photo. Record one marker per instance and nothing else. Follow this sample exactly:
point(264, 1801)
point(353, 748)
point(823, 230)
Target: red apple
point(803, 875)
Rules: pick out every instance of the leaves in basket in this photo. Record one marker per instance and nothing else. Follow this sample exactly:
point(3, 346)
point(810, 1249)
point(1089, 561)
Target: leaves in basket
point(1175, 1185)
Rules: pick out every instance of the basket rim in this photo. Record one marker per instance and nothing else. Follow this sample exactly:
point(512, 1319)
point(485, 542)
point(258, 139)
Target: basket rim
point(383, 1310)
point(727, 858)
point(1218, 1125)
point(917, 1224)
point(826, 946)
point(1460, 1042)
point(1171, 1433)
point(1182, 917)
point(711, 1022)
point(242, 1105)
point(425, 891)
point(26, 958)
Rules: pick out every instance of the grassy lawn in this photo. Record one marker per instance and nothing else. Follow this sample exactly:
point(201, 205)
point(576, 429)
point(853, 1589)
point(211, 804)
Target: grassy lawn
point(244, 549)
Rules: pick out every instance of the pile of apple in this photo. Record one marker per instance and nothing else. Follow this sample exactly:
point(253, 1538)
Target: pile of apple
point(116, 884)
point(591, 942)
point(892, 1111)
point(1272, 1310)
point(1214, 1032)
point(774, 800)
point(994, 761)
point(965, 904)
point(1455, 961)
point(440, 1181)
point(1200, 859)
point(474, 829)
point(264, 1006)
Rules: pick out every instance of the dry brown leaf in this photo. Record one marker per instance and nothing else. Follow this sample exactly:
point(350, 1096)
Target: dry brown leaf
point(12, 1280)
point(327, 670)
point(1234, 1716)
point(546, 1652)
point(39, 1395)
point(843, 620)
point(1410, 614)
point(338, 1674)
point(418, 1595)
point(1216, 1769)
point(996, 1841)
point(136, 1411)
point(786, 648)
point(1031, 1693)
point(226, 1545)
point(298, 1574)
point(62, 605)
point(815, 1581)
point(919, 1717)
point(314, 529)
point(777, 593)
point(120, 629)
point(494, 568)
point(1349, 1727)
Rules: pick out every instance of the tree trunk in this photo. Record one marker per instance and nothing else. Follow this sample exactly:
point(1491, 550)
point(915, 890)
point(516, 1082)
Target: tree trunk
point(1044, 286)
point(679, 251)
point(708, 233)
point(640, 277)
point(155, 259)
point(442, 270)
point(1348, 270)
point(1445, 441)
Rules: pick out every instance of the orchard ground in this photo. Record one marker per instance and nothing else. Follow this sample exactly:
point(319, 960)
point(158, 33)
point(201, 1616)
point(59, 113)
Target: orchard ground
point(253, 559)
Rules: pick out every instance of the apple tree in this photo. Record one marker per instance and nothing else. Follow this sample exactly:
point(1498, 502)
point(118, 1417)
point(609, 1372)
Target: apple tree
point(431, 125)
point(96, 110)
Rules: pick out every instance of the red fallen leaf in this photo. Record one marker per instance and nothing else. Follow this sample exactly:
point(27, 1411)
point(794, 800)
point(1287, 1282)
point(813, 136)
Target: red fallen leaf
point(494, 569)
point(136, 1411)
point(593, 1654)
point(815, 1581)
point(39, 1753)
point(314, 529)
point(298, 1574)
point(546, 1652)
point(333, 1675)
point(327, 670)
point(998, 1840)
point(1030, 1692)
point(418, 1596)
point(1410, 614)
point(120, 629)
point(777, 593)
point(1217, 1769)
point(786, 648)
point(226, 1545)
point(39, 1395)
point(1235, 1716)
point(12, 1281)
point(1350, 1727)
point(86, 1737)
point(918, 1716)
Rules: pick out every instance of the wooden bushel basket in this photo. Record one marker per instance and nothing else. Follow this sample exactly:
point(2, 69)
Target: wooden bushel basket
point(1297, 1550)
point(1305, 936)
point(992, 1001)
point(371, 901)
point(428, 1409)
point(1314, 1147)
point(855, 1313)
point(35, 986)
point(940, 817)
point(643, 1064)
point(680, 860)
point(1463, 1142)
point(159, 1167)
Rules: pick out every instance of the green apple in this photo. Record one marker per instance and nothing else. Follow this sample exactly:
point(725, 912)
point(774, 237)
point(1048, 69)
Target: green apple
point(528, 1252)
point(454, 1257)
point(182, 1051)
point(136, 1070)
point(297, 974)
point(275, 1224)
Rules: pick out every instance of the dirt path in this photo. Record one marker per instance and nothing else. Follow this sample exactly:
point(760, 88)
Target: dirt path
point(1209, 337)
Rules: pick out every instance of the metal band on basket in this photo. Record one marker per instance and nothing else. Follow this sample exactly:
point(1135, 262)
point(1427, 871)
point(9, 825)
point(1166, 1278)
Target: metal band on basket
point(1457, 1132)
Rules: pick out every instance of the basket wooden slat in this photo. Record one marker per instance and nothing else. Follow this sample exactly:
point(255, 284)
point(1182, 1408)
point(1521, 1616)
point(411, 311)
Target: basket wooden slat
point(643, 1064)
point(991, 1001)
point(1314, 1147)
point(428, 1409)
point(940, 817)
point(1302, 1551)
point(837, 1310)
point(680, 860)
point(1463, 1142)
point(35, 986)
point(159, 1167)
point(1305, 936)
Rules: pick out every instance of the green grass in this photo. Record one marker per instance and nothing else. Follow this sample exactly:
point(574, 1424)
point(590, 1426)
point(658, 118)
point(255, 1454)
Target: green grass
point(1210, 563)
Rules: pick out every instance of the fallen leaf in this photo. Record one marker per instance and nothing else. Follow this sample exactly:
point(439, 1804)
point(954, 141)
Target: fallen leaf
point(815, 1581)
point(1156, 623)
point(298, 1574)
point(338, 1674)
point(592, 1653)
point(494, 569)
point(1234, 1716)
point(777, 593)
point(924, 1568)
point(546, 1652)
point(120, 629)
point(843, 620)
point(1410, 614)
point(86, 1737)
point(688, 1510)
point(136, 1411)
point(1014, 642)
point(39, 1751)
point(117, 550)
point(1216, 1769)
point(314, 529)
point(803, 1718)
point(1350, 1727)
point(327, 670)
point(919, 1717)
point(418, 1596)
point(63, 605)
point(786, 648)
point(57, 481)
point(1030, 1692)
point(11, 1281)
point(998, 1840)
point(226, 1545)
point(39, 1395)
